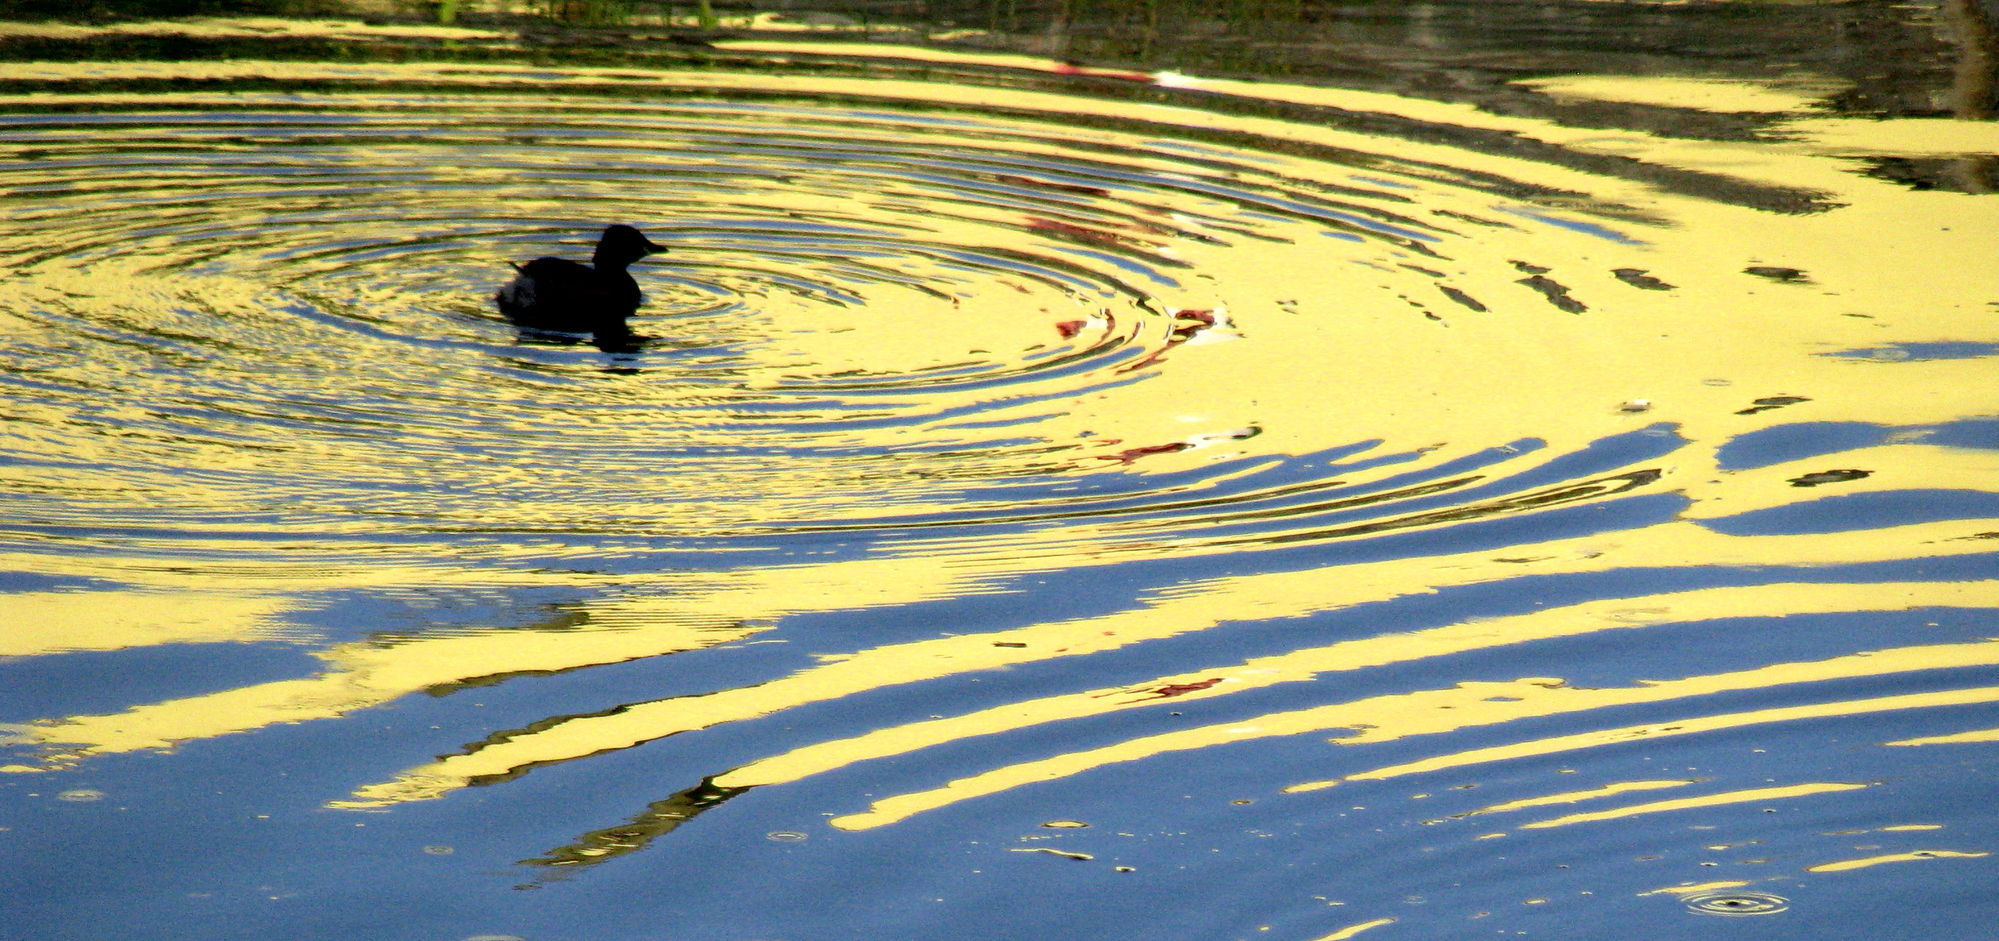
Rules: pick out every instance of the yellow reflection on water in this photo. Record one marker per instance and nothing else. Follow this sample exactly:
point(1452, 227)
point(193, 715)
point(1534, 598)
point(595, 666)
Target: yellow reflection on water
point(1551, 746)
point(1677, 92)
point(1608, 790)
point(1353, 930)
point(1848, 865)
point(1696, 889)
point(53, 622)
point(1956, 738)
point(1200, 608)
point(1879, 265)
point(366, 674)
point(1473, 704)
point(1753, 795)
point(1481, 379)
point(1562, 378)
point(1626, 613)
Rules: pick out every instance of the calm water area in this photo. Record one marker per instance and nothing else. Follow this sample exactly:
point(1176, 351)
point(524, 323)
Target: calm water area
point(1122, 471)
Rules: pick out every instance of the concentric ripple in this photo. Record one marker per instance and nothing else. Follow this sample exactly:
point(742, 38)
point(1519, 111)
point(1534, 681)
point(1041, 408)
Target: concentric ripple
point(867, 318)
point(1737, 903)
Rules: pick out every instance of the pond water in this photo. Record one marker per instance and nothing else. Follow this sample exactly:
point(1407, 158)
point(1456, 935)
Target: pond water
point(1055, 501)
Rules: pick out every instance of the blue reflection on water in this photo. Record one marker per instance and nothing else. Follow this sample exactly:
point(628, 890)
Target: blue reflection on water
point(1795, 442)
point(1861, 511)
point(1916, 352)
point(91, 682)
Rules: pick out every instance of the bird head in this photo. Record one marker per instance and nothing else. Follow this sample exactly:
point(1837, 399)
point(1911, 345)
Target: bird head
point(622, 245)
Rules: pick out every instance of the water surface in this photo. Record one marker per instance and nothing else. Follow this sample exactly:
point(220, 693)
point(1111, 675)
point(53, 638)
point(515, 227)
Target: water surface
point(1086, 504)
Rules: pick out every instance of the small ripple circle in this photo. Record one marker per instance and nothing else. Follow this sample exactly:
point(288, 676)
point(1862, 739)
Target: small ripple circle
point(1737, 903)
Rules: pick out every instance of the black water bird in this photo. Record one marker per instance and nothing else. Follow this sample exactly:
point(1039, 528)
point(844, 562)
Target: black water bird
point(556, 295)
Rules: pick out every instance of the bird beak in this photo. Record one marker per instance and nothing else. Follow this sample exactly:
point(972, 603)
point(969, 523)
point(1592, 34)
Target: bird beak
point(652, 249)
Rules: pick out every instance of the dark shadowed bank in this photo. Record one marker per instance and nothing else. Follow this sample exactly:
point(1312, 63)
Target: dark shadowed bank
point(125, 9)
point(1895, 59)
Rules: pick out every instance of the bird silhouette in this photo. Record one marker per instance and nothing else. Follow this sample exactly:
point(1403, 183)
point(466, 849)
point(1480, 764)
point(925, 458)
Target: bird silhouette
point(556, 295)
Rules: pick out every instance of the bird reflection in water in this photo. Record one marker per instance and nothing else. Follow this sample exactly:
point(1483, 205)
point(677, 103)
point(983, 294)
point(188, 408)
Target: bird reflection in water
point(558, 300)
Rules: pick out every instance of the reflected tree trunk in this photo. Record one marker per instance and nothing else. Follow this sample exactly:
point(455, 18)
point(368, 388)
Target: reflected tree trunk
point(1972, 86)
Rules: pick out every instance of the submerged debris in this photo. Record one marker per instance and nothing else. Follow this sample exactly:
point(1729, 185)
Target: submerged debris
point(1829, 477)
point(1773, 401)
point(1637, 278)
point(1556, 292)
point(1461, 297)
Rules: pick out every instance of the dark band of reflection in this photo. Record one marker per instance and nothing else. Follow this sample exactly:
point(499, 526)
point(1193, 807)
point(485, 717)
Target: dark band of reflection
point(1700, 184)
point(657, 820)
point(1600, 487)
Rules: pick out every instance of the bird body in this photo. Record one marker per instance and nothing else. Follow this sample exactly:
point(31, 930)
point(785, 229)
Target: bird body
point(561, 296)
